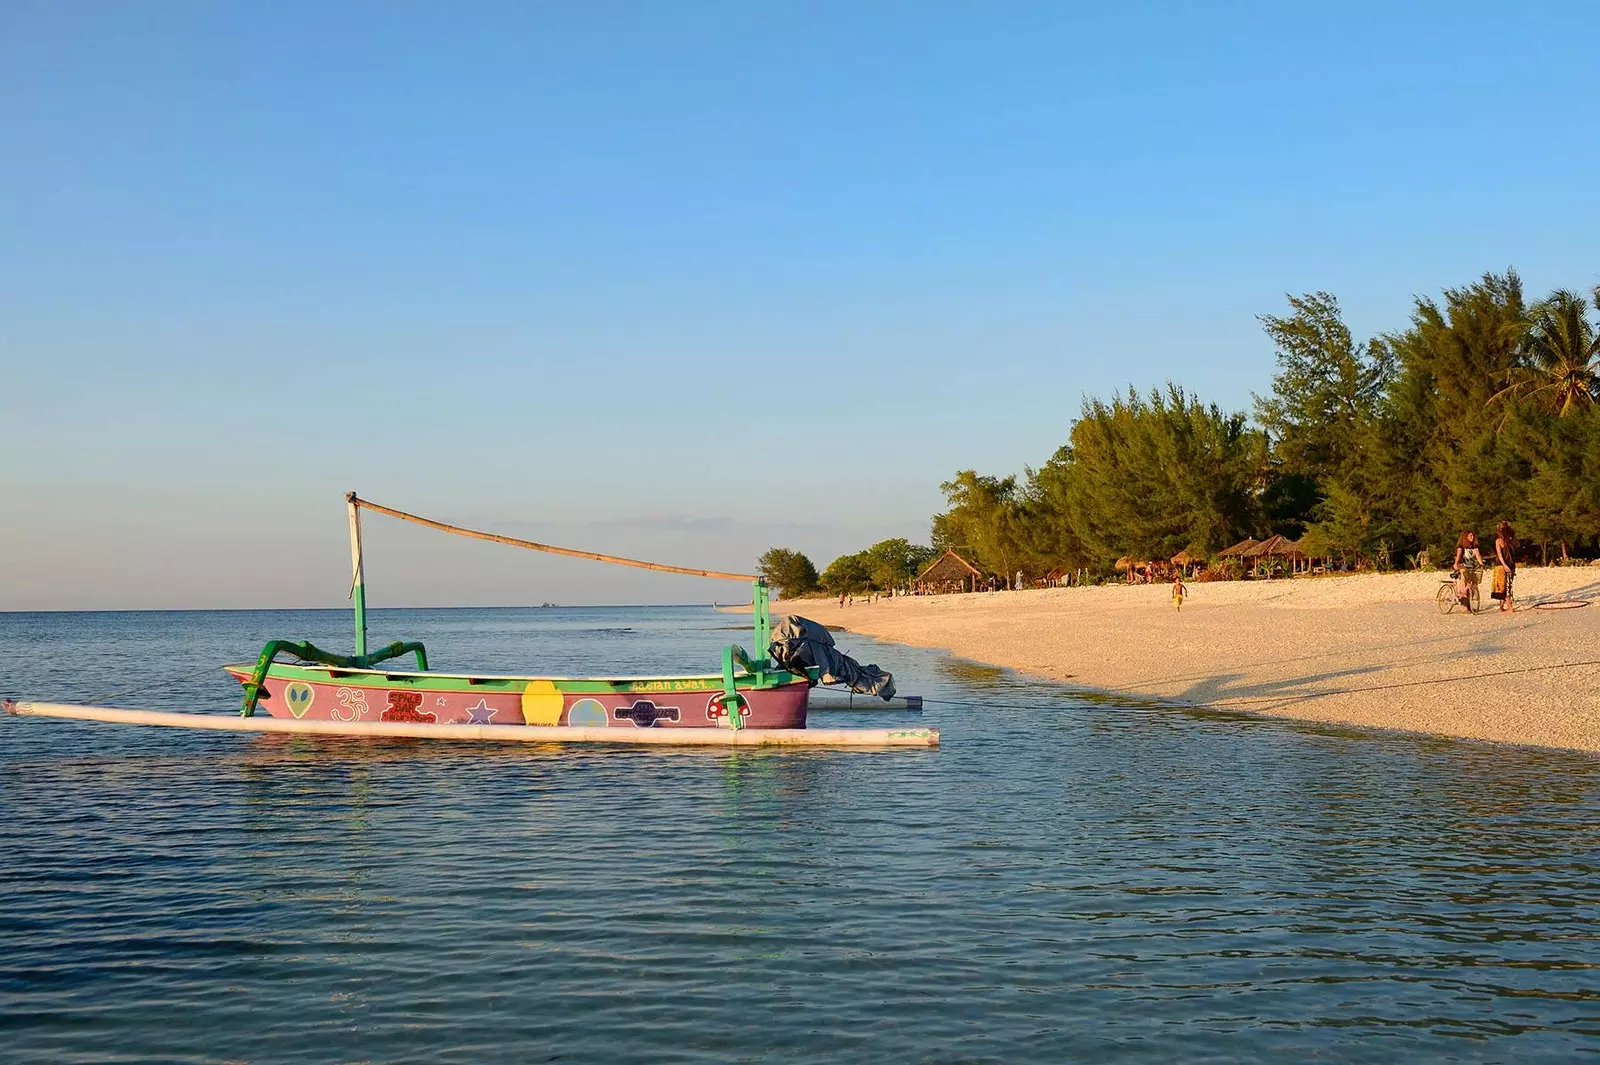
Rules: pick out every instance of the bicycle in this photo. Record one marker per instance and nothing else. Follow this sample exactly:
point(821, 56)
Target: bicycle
point(1448, 598)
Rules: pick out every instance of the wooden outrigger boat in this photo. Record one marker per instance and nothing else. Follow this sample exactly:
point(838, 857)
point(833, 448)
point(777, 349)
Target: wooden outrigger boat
point(745, 693)
point(751, 699)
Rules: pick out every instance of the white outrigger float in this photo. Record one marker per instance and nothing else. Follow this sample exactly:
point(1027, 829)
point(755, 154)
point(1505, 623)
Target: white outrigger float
point(753, 700)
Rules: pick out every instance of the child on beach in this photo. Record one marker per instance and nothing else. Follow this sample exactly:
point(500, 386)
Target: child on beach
point(1178, 590)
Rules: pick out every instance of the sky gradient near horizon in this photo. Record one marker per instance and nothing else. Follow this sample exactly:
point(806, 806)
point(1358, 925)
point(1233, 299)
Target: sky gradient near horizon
point(684, 281)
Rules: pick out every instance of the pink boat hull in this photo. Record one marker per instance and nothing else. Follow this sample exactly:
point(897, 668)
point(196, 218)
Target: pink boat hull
point(366, 698)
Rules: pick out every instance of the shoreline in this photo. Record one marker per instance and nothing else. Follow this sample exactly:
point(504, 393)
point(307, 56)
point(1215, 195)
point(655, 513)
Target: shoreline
point(1368, 650)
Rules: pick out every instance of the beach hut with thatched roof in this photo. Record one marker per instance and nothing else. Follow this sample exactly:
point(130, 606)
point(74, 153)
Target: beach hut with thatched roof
point(1138, 570)
point(1186, 559)
point(948, 573)
point(1299, 555)
point(1278, 547)
point(1240, 549)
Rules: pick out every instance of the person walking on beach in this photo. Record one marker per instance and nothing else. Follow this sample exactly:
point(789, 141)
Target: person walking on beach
point(1469, 564)
point(1178, 589)
point(1505, 550)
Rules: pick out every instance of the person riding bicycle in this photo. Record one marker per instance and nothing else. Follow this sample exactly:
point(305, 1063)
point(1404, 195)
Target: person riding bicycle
point(1469, 565)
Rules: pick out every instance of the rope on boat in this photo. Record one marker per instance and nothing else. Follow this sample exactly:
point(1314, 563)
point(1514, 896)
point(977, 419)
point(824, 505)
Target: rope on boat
point(551, 549)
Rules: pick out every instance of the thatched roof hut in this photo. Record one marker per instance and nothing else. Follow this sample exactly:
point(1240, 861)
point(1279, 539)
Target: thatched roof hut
point(1240, 549)
point(1186, 558)
point(1279, 546)
point(949, 568)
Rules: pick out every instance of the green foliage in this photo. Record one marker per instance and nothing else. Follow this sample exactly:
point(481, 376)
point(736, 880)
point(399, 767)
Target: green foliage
point(1482, 408)
point(848, 574)
point(895, 563)
point(1447, 468)
point(790, 572)
point(984, 522)
point(1151, 477)
point(886, 565)
point(1327, 389)
point(1560, 367)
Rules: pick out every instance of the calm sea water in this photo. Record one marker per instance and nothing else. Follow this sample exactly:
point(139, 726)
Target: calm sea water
point(1065, 880)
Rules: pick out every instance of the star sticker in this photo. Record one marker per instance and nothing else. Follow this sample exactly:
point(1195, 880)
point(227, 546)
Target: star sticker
point(480, 714)
point(439, 701)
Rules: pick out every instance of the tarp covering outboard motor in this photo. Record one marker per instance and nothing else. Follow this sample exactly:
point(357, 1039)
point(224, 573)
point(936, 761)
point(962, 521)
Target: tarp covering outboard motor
point(799, 643)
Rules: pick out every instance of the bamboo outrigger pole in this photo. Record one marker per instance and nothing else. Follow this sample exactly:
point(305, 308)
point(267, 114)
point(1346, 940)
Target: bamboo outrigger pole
point(687, 737)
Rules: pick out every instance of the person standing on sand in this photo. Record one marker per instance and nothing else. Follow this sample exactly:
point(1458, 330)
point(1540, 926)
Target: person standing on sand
point(1505, 550)
point(1469, 564)
point(1178, 589)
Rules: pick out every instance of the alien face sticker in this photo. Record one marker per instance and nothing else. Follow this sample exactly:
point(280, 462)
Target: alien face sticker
point(299, 696)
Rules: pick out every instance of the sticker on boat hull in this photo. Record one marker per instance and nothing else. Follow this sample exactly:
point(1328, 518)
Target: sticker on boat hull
point(403, 707)
point(299, 696)
point(480, 714)
point(645, 714)
point(542, 702)
point(352, 705)
point(717, 713)
point(587, 713)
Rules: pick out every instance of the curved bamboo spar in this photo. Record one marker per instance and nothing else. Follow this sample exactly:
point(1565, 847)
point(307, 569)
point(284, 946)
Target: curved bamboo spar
point(685, 737)
point(535, 546)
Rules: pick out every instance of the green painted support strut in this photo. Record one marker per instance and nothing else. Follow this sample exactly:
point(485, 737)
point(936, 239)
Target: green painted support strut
point(360, 597)
point(308, 652)
point(763, 624)
point(734, 656)
point(731, 655)
point(360, 621)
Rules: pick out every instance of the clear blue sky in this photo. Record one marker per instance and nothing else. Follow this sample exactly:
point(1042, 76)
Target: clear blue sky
point(686, 280)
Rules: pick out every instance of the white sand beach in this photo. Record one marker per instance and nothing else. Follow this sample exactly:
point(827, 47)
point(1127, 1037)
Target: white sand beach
point(1369, 650)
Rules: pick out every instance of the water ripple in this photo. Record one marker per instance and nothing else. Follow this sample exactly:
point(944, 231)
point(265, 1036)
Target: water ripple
point(1066, 879)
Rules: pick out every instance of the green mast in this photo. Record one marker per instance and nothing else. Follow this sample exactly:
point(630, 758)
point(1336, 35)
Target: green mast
point(358, 588)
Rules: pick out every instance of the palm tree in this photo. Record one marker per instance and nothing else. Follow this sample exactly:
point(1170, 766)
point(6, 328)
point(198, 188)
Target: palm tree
point(1560, 367)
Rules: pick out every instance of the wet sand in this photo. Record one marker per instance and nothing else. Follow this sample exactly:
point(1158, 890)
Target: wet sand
point(1368, 650)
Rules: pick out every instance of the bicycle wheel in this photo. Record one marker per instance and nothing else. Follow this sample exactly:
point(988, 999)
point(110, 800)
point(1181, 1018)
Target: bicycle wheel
point(1474, 603)
point(1446, 597)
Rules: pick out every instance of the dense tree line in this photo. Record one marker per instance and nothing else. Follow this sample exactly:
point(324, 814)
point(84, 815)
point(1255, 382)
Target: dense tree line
point(1482, 407)
point(885, 565)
